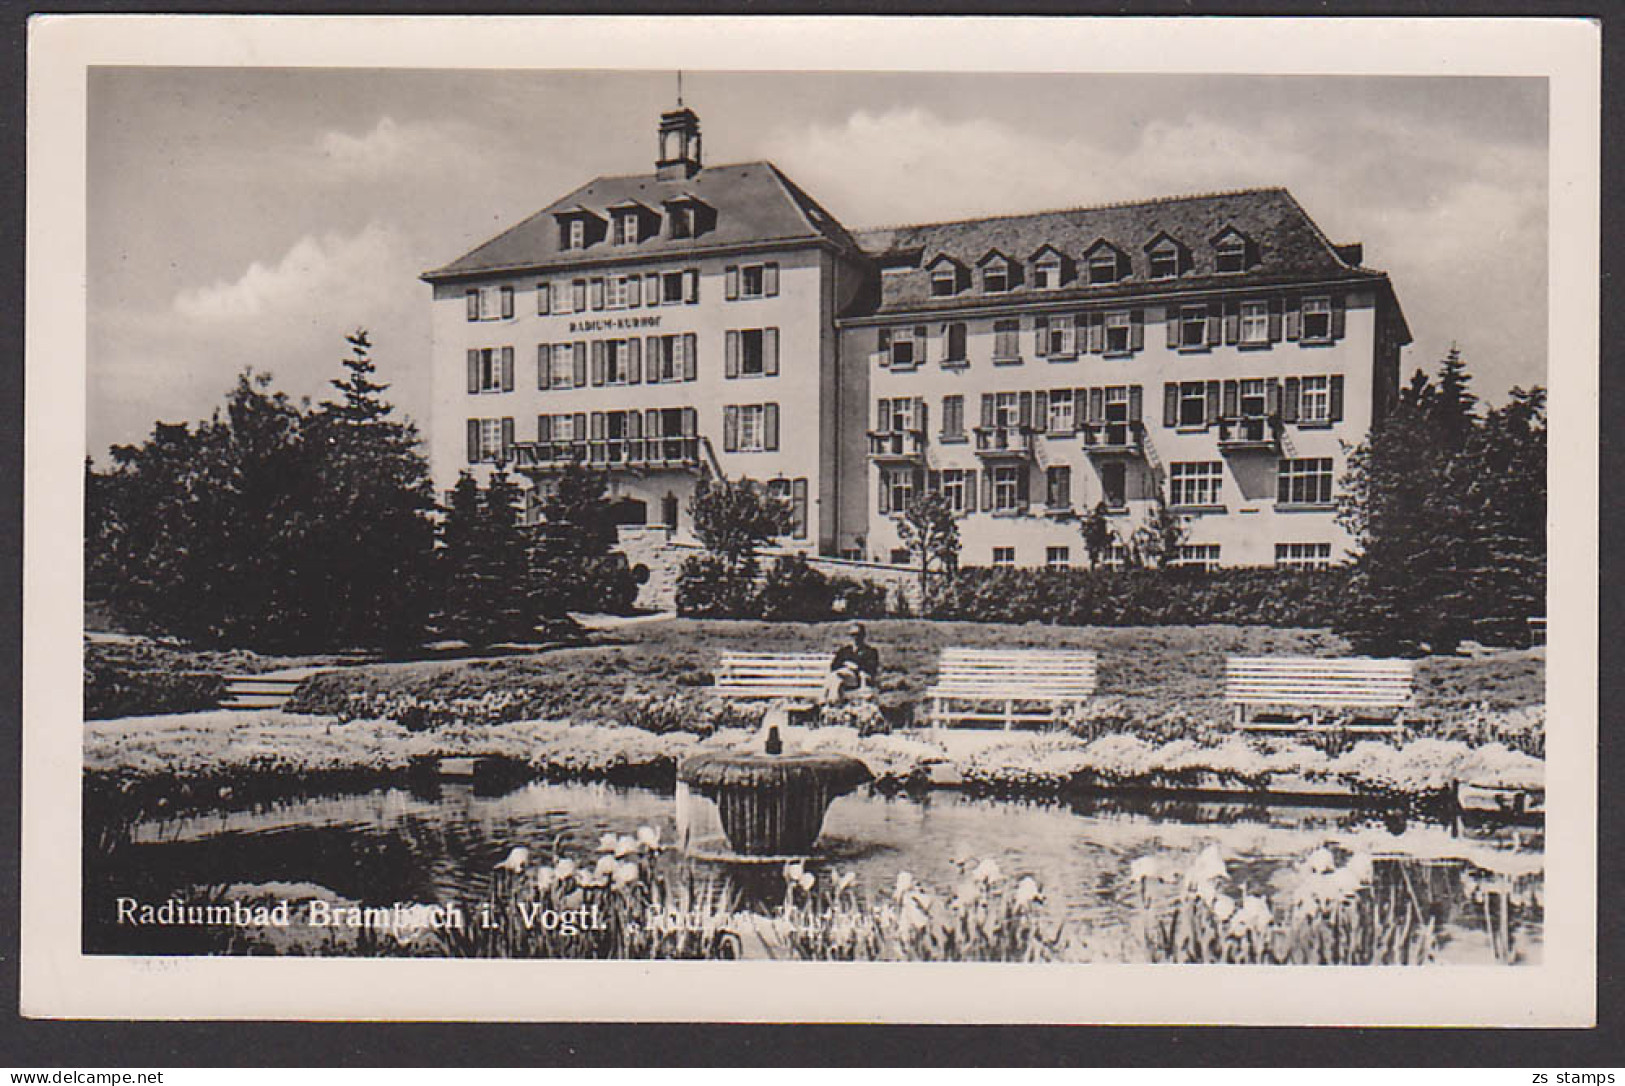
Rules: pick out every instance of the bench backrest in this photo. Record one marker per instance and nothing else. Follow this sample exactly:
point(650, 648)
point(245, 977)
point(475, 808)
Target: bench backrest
point(1029, 673)
point(771, 672)
point(1313, 680)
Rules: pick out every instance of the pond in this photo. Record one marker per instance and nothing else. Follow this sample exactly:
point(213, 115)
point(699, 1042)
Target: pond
point(396, 844)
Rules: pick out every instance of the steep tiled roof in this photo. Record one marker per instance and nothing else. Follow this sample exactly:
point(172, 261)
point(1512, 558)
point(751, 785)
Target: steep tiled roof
point(753, 201)
point(1288, 247)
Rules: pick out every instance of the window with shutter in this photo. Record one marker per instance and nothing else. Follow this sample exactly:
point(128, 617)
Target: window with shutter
point(544, 366)
point(1232, 323)
point(634, 361)
point(544, 299)
point(1211, 412)
point(731, 283)
point(1215, 318)
point(578, 295)
point(473, 441)
point(691, 358)
point(597, 290)
point(651, 289)
point(798, 508)
point(1170, 404)
point(956, 343)
point(507, 303)
point(473, 297)
point(473, 370)
point(1041, 411)
point(507, 369)
point(1337, 397)
point(597, 362)
point(770, 427)
point(578, 359)
point(731, 355)
point(1253, 324)
point(953, 418)
point(691, 286)
point(1136, 330)
point(770, 287)
point(730, 429)
point(1294, 396)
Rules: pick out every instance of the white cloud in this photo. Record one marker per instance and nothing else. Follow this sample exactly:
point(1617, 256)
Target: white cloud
point(318, 268)
point(389, 145)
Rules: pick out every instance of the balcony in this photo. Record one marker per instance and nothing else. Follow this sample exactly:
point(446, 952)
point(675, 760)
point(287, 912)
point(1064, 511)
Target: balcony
point(652, 453)
point(1107, 439)
point(896, 446)
point(1258, 433)
point(1004, 442)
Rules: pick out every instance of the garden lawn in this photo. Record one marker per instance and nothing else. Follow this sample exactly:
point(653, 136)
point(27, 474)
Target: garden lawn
point(1153, 670)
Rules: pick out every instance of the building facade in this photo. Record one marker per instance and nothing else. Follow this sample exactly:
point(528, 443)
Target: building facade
point(1215, 353)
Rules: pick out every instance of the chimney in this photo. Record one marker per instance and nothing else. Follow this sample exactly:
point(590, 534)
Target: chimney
point(679, 145)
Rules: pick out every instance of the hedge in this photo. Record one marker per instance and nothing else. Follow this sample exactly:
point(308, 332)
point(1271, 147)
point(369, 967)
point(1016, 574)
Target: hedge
point(113, 691)
point(1144, 597)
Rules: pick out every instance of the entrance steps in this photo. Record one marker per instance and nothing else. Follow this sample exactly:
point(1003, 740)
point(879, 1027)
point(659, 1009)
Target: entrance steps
point(258, 691)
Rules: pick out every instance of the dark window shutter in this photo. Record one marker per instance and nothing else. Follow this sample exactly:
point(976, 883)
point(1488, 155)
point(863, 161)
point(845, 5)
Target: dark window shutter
point(1041, 337)
point(1272, 397)
point(507, 369)
point(1097, 333)
point(987, 409)
point(473, 297)
point(544, 298)
point(1294, 317)
point(651, 423)
point(1097, 406)
point(1136, 330)
point(1337, 397)
point(691, 357)
point(544, 368)
point(597, 287)
point(770, 287)
point(691, 418)
point(1215, 316)
point(598, 426)
point(651, 289)
point(1136, 403)
point(883, 344)
point(1170, 404)
point(987, 490)
point(884, 497)
point(1289, 403)
point(1041, 411)
point(1232, 322)
point(578, 428)
point(731, 277)
point(882, 416)
point(634, 293)
point(651, 351)
point(770, 351)
point(1232, 400)
point(691, 286)
point(1275, 320)
point(1172, 325)
point(544, 428)
point(1024, 408)
point(798, 495)
point(634, 361)
point(579, 353)
point(507, 440)
point(1213, 393)
point(597, 362)
point(634, 425)
point(730, 429)
point(731, 360)
point(473, 441)
point(1339, 316)
point(1023, 486)
point(770, 427)
point(473, 370)
point(921, 412)
point(507, 303)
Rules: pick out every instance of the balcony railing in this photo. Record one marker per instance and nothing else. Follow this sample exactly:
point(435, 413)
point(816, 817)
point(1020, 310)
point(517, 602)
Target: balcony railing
point(635, 452)
point(896, 445)
point(1260, 433)
point(1113, 439)
point(994, 441)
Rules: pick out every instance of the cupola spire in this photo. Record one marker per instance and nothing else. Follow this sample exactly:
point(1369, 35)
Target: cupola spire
point(679, 141)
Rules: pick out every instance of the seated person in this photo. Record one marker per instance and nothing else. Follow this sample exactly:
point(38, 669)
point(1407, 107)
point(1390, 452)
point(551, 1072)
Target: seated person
point(854, 669)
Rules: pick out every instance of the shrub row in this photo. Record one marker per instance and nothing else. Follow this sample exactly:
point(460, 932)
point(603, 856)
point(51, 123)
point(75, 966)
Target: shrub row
point(790, 591)
point(115, 691)
point(1143, 597)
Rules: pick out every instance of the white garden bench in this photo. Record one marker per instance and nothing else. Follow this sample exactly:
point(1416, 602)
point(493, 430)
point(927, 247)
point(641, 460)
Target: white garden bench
point(1371, 687)
point(772, 676)
point(1009, 686)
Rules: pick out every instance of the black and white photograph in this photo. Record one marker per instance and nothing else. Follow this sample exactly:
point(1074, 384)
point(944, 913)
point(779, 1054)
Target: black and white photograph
point(671, 507)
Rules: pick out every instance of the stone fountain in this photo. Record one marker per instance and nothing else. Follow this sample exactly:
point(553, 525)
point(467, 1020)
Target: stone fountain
point(772, 803)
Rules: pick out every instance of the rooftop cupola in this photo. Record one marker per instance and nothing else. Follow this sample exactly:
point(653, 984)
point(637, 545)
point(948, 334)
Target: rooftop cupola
point(679, 145)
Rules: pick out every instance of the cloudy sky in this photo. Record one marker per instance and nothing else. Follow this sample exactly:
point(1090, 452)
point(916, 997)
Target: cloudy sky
point(251, 217)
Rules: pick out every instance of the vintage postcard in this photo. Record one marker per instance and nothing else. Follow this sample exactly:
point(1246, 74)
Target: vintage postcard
point(778, 519)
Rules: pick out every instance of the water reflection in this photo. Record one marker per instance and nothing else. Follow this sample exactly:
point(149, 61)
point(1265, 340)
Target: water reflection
point(440, 843)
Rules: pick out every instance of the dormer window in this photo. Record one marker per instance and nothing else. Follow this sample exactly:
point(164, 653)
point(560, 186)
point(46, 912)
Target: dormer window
point(998, 273)
point(1105, 263)
point(626, 228)
point(1168, 258)
point(687, 216)
point(579, 227)
point(1050, 269)
point(947, 277)
point(1233, 252)
point(680, 221)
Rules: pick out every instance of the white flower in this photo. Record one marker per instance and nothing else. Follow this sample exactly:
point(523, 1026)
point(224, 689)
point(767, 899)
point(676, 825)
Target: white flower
point(793, 872)
point(607, 843)
point(606, 866)
point(805, 880)
point(1208, 867)
point(545, 877)
point(1343, 882)
point(1254, 913)
point(625, 844)
point(565, 868)
point(625, 873)
point(905, 882)
point(516, 861)
point(1359, 867)
point(1319, 861)
point(1146, 867)
point(1027, 891)
point(1223, 906)
point(648, 837)
point(987, 871)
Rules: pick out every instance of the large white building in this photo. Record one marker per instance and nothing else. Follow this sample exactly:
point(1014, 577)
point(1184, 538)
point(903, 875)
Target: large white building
point(1216, 350)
